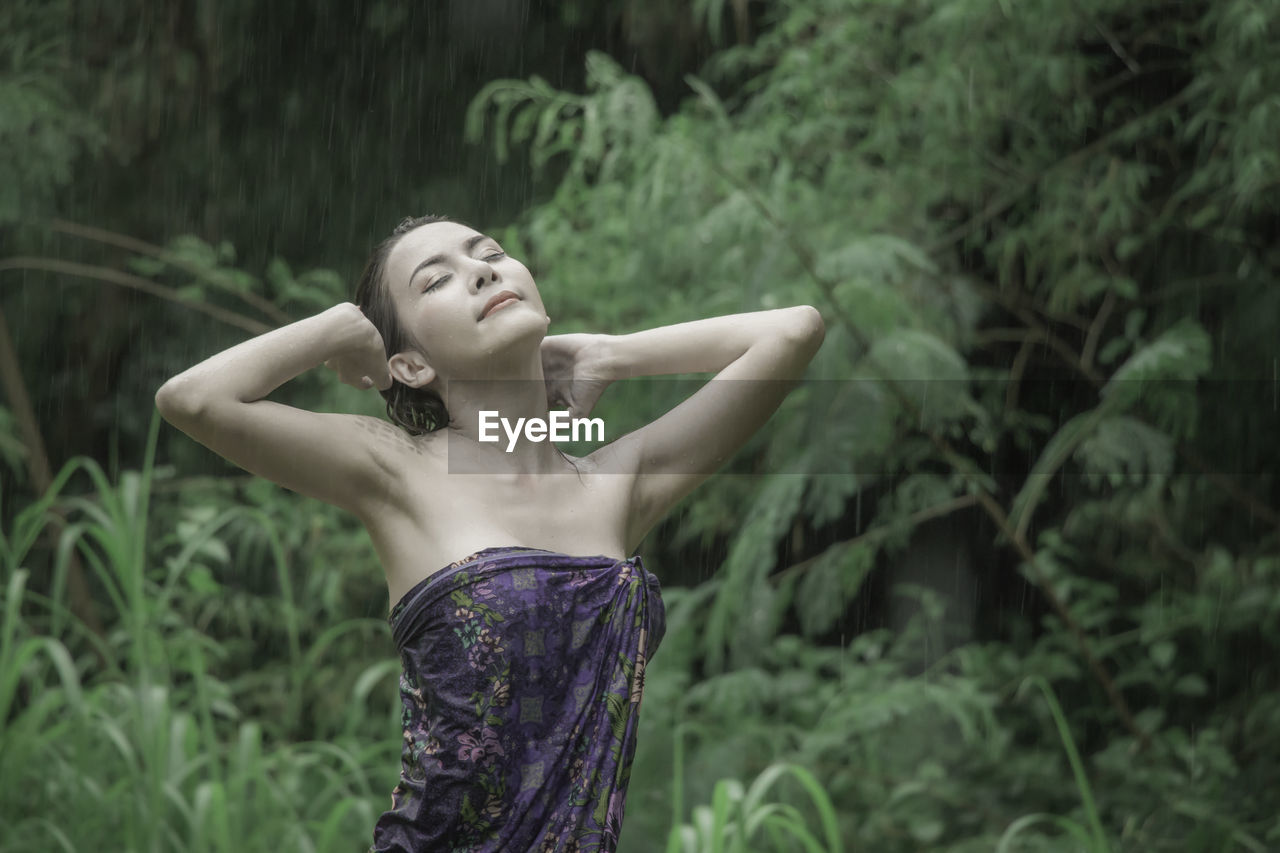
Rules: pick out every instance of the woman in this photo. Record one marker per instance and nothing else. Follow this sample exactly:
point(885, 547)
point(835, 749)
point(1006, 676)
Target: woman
point(522, 663)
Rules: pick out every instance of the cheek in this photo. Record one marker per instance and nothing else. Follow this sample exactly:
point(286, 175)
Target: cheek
point(518, 269)
point(523, 273)
point(447, 318)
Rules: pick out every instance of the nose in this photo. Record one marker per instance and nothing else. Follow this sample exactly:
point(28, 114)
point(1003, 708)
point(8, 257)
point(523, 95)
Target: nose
point(483, 275)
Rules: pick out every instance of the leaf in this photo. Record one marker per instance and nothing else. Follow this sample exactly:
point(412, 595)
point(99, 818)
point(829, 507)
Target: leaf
point(194, 251)
point(146, 266)
point(279, 276)
point(1123, 449)
point(1055, 454)
point(750, 559)
point(1163, 653)
point(201, 581)
point(828, 495)
point(1162, 375)
point(711, 100)
point(1191, 684)
point(830, 583)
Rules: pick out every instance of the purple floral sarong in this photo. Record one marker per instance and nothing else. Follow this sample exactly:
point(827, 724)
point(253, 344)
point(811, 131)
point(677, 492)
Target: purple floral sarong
point(521, 683)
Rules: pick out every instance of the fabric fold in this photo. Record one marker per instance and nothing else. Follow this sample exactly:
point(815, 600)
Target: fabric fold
point(521, 677)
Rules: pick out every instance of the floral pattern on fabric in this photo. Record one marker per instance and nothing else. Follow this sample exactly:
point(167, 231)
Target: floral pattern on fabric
point(522, 675)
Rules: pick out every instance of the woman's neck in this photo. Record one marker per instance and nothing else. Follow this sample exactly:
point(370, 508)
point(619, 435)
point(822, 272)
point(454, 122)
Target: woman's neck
point(503, 424)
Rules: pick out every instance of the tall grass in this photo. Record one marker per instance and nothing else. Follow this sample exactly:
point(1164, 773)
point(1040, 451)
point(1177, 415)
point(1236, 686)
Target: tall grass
point(152, 753)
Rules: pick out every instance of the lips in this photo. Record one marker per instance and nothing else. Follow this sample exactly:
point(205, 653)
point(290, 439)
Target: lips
point(496, 300)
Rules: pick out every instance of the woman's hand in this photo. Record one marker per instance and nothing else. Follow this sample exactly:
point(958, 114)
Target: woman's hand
point(576, 371)
point(361, 359)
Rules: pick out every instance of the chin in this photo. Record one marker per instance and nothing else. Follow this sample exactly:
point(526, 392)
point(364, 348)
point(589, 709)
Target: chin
point(521, 315)
point(531, 325)
point(513, 334)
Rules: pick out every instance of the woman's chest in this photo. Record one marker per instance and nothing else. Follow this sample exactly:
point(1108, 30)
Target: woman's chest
point(548, 505)
point(435, 525)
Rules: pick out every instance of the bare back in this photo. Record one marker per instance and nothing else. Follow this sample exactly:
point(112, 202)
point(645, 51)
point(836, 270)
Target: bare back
point(426, 517)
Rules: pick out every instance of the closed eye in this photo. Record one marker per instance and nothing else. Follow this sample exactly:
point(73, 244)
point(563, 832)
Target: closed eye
point(492, 256)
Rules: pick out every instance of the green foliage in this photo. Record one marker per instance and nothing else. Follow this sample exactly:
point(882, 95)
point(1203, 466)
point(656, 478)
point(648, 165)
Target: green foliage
point(183, 741)
point(42, 130)
point(618, 113)
point(737, 814)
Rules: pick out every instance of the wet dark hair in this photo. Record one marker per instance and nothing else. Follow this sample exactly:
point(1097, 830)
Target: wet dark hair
point(415, 410)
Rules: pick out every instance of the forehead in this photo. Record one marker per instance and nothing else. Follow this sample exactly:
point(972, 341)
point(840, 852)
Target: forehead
point(425, 241)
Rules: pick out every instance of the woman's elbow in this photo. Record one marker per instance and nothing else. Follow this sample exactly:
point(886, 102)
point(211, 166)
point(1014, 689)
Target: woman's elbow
point(805, 328)
point(174, 404)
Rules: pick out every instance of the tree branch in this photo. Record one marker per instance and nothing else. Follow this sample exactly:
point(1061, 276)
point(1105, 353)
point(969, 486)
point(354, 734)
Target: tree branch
point(142, 247)
point(915, 519)
point(1007, 200)
point(129, 280)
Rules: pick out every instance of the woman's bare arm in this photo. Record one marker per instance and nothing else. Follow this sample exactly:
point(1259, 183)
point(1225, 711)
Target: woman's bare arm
point(705, 346)
point(252, 370)
point(756, 358)
point(333, 457)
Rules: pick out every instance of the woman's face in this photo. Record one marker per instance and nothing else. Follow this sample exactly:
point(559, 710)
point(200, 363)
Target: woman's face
point(463, 300)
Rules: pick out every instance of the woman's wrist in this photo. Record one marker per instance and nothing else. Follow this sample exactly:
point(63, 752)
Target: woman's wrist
point(346, 329)
point(605, 359)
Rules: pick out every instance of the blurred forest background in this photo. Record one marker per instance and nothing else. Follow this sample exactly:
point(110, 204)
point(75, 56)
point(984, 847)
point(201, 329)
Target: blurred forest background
point(1019, 587)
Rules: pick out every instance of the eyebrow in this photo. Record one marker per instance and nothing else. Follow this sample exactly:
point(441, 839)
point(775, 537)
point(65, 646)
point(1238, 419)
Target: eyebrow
point(439, 259)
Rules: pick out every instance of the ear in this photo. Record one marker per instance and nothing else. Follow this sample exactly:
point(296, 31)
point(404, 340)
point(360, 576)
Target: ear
point(411, 368)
